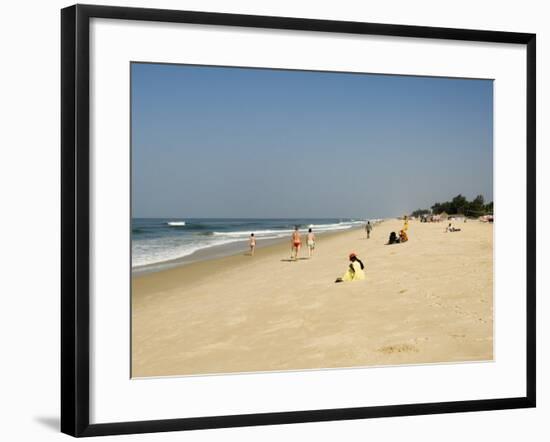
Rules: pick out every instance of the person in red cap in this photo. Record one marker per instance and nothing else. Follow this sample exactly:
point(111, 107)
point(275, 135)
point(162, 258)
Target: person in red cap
point(355, 270)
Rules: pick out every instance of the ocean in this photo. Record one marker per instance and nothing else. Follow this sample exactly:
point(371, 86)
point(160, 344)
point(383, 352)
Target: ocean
point(160, 241)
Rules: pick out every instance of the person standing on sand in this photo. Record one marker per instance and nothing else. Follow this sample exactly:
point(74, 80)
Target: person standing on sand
point(252, 244)
point(406, 223)
point(368, 229)
point(310, 242)
point(296, 243)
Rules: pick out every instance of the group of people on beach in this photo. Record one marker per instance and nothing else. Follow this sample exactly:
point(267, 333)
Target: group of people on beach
point(398, 239)
point(296, 243)
point(356, 268)
point(402, 237)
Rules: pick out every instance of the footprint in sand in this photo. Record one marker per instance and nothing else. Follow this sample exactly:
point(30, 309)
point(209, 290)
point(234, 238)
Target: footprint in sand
point(422, 339)
point(398, 348)
point(459, 311)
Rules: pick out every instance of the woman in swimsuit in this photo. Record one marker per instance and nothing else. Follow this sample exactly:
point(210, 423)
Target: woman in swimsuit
point(252, 244)
point(296, 244)
point(310, 242)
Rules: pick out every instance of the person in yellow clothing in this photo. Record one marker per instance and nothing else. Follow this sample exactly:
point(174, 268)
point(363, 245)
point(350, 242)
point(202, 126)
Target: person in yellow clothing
point(355, 270)
point(406, 223)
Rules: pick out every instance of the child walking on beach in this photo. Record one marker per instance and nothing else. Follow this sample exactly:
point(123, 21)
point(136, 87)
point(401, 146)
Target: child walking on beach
point(310, 242)
point(252, 244)
point(296, 243)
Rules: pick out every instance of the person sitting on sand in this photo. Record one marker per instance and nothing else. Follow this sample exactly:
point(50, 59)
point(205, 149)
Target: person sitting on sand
point(252, 244)
point(310, 242)
point(394, 239)
point(368, 229)
point(296, 243)
point(450, 228)
point(355, 270)
point(403, 236)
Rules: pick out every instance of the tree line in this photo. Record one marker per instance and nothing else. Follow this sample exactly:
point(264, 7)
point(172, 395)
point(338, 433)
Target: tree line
point(459, 205)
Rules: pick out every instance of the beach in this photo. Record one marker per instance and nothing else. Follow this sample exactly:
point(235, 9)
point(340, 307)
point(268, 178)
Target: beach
point(429, 300)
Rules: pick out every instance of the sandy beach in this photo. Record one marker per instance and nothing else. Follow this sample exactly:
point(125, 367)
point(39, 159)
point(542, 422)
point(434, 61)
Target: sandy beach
point(425, 301)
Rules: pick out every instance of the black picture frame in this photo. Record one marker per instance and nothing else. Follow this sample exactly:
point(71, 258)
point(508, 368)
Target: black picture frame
point(75, 227)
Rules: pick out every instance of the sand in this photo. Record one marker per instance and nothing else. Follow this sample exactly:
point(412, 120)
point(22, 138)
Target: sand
point(429, 300)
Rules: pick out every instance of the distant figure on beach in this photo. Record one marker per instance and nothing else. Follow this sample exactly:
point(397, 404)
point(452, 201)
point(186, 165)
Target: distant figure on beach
point(252, 244)
point(368, 229)
point(355, 270)
point(406, 223)
point(296, 243)
point(393, 239)
point(450, 228)
point(310, 242)
point(403, 236)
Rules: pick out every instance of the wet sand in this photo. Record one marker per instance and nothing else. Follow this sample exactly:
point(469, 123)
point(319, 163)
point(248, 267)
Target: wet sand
point(425, 301)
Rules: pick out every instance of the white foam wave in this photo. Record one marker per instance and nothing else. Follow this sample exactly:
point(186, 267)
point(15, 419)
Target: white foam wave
point(156, 252)
point(243, 234)
point(176, 223)
point(282, 232)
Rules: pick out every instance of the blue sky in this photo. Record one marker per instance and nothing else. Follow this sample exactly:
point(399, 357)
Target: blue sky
point(241, 142)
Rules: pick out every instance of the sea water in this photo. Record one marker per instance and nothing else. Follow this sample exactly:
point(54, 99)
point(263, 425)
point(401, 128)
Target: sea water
point(161, 240)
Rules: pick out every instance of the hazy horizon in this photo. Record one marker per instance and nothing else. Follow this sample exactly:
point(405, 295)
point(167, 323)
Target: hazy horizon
point(212, 142)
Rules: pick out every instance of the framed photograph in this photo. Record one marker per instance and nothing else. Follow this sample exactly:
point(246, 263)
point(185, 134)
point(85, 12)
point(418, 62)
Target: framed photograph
point(271, 220)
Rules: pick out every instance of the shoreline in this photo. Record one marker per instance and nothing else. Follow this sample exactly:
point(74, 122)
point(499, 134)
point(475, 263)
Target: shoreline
point(226, 250)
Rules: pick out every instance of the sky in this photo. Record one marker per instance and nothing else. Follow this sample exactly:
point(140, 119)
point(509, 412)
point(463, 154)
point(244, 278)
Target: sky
point(263, 143)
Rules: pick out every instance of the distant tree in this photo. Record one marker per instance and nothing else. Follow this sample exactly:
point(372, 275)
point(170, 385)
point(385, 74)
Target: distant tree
point(477, 206)
point(438, 208)
point(460, 205)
